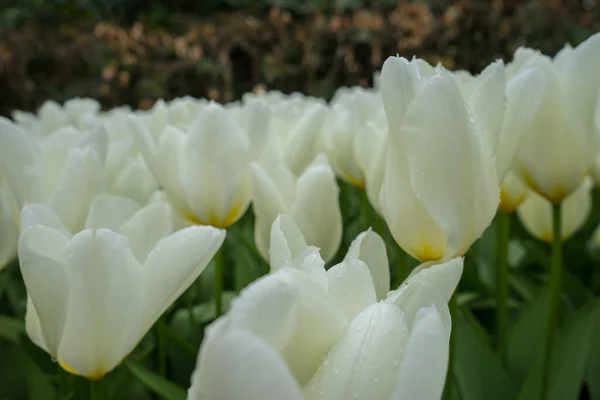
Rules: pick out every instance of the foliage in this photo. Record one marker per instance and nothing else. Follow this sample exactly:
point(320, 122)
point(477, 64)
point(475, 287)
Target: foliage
point(133, 61)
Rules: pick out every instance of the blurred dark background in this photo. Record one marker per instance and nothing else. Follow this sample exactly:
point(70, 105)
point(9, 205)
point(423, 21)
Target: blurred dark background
point(131, 52)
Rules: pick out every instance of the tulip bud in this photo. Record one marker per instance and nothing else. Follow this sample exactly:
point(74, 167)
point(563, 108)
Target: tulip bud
point(555, 154)
point(204, 171)
point(440, 189)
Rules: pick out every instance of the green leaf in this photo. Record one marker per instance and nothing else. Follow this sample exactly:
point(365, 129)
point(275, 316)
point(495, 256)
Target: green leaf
point(572, 355)
point(593, 367)
point(569, 359)
point(159, 385)
point(477, 371)
point(525, 340)
point(186, 321)
point(39, 384)
point(11, 328)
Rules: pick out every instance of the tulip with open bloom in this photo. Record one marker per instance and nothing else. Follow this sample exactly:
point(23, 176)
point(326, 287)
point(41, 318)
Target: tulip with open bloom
point(93, 294)
point(204, 170)
point(440, 189)
point(536, 213)
point(305, 333)
point(62, 169)
point(555, 154)
point(311, 200)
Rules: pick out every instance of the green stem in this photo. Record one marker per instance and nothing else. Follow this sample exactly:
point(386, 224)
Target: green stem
point(97, 390)
point(161, 346)
point(366, 209)
point(453, 307)
point(401, 267)
point(503, 235)
point(218, 283)
point(554, 297)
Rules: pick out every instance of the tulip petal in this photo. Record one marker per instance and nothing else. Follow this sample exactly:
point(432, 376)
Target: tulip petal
point(174, 264)
point(269, 308)
point(106, 298)
point(164, 159)
point(135, 181)
point(370, 248)
point(553, 156)
point(310, 261)
point(523, 97)
point(235, 364)
point(351, 285)
point(110, 212)
point(451, 171)
point(322, 322)
point(400, 83)
point(286, 241)
point(81, 181)
point(583, 81)
point(20, 158)
point(56, 147)
point(215, 160)
point(33, 327)
point(267, 204)
point(300, 143)
point(423, 370)
point(364, 363)
point(33, 214)
point(409, 222)
point(146, 228)
point(487, 102)
point(316, 210)
point(443, 276)
point(42, 252)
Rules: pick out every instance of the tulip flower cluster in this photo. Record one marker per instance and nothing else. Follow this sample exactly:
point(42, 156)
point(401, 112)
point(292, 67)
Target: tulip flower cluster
point(113, 215)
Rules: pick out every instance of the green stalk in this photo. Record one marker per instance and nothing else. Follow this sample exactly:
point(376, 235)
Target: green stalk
point(503, 235)
point(453, 307)
point(162, 346)
point(218, 283)
point(97, 390)
point(401, 272)
point(366, 209)
point(554, 297)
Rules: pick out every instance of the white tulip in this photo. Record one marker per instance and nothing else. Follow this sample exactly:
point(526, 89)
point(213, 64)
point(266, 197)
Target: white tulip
point(204, 171)
point(345, 131)
point(371, 157)
point(503, 108)
point(62, 169)
point(555, 155)
point(440, 189)
point(311, 200)
point(306, 333)
point(93, 295)
point(79, 113)
point(536, 213)
point(125, 171)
